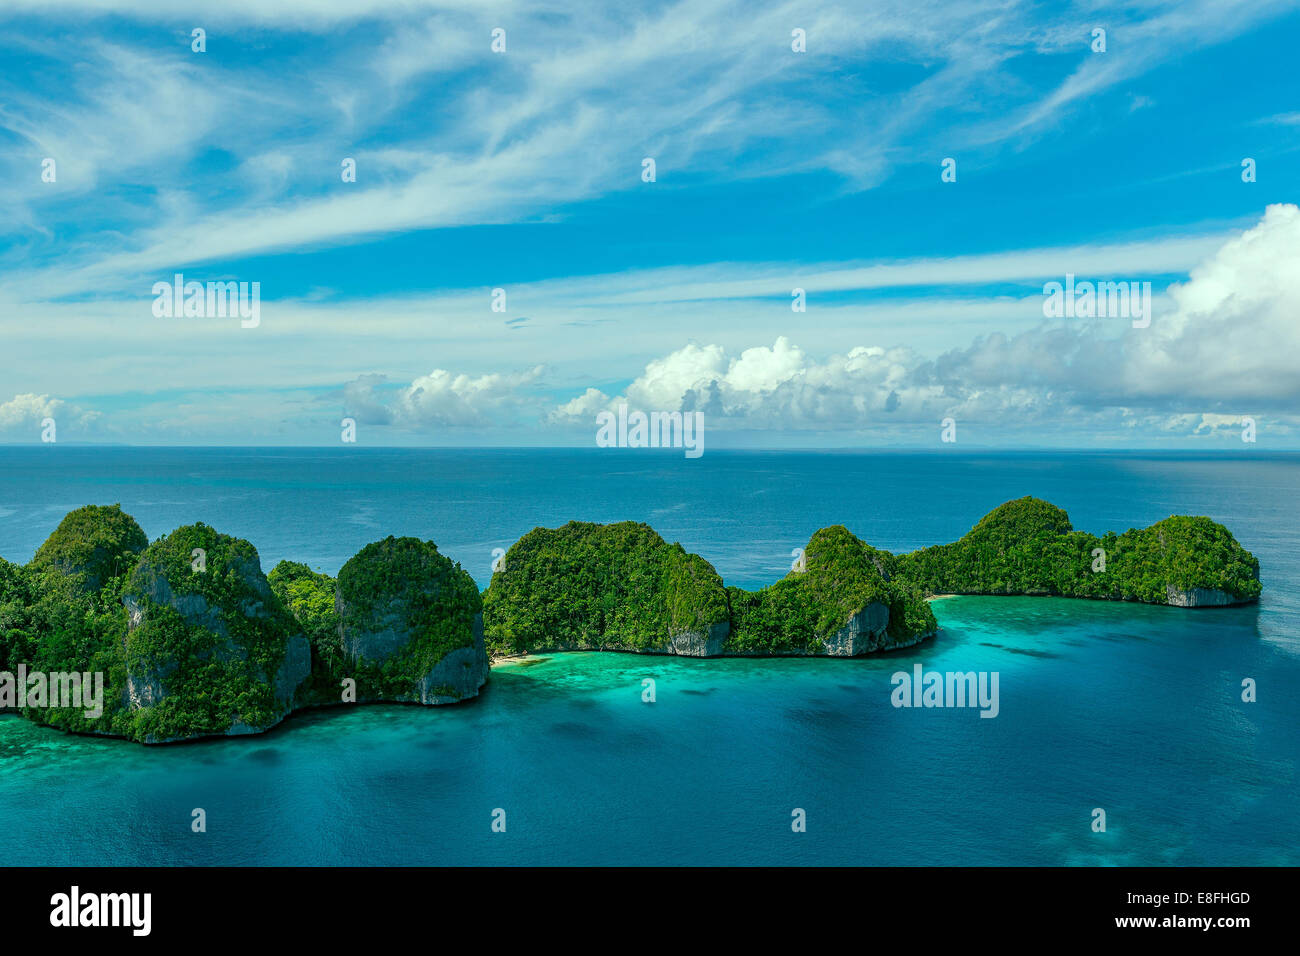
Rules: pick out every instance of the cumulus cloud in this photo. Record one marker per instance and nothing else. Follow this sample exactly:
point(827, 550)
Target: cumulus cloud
point(361, 402)
point(444, 398)
point(580, 409)
point(1227, 348)
point(1231, 338)
point(772, 387)
point(28, 409)
point(21, 415)
point(1222, 348)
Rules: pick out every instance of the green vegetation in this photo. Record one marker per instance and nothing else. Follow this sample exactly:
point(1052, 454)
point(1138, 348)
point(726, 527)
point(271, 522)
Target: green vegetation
point(193, 640)
point(841, 577)
point(1027, 546)
point(74, 619)
point(95, 543)
point(186, 647)
point(599, 586)
point(402, 608)
point(622, 587)
point(208, 640)
point(1182, 552)
point(15, 616)
point(309, 597)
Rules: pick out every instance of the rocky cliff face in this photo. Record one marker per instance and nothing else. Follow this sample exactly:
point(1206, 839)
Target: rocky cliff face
point(294, 670)
point(1199, 597)
point(146, 688)
point(864, 633)
point(700, 643)
point(840, 603)
point(410, 624)
point(459, 675)
point(206, 631)
point(380, 639)
point(613, 586)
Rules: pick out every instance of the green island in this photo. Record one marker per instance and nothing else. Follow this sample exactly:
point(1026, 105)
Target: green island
point(194, 640)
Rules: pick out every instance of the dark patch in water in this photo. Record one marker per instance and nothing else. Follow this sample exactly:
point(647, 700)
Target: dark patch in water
point(699, 693)
point(1028, 652)
point(572, 728)
point(815, 716)
point(266, 755)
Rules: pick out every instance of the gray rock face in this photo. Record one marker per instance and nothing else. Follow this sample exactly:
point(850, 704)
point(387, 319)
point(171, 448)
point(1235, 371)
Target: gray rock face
point(146, 688)
point(700, 643)
point(1198, 597)
point(384, 638)
point(459, 674)
point(295, 668)
point(863, 633)
point(194, 608)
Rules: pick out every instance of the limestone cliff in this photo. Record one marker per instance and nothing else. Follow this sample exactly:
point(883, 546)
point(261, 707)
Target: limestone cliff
point(410, 624)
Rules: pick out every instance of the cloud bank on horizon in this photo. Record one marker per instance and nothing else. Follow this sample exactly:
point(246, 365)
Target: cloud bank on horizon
point(818, 226)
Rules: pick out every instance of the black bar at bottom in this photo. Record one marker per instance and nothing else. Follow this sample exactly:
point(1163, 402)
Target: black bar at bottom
point(332, 906)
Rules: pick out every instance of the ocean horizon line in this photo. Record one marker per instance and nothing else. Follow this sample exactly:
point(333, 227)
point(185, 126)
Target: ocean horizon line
point(818, 449)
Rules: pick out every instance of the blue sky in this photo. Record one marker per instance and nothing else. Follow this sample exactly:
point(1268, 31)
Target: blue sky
point(775, 170)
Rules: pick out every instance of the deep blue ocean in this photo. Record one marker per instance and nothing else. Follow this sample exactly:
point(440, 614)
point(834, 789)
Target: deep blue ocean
point(1136, 710)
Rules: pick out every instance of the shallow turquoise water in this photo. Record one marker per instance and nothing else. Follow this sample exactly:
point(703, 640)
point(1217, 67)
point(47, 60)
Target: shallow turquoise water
point(1135, 710)
point(1132, 709)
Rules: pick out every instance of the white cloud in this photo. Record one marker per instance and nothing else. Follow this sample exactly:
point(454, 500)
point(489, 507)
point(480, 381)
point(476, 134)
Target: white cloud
point(581, 409)
point(28, 409)
point(1233, 334)
point(22, 417)
point(1227, 348)
point(707, 86)
point(1224, 345)
point(442, 398)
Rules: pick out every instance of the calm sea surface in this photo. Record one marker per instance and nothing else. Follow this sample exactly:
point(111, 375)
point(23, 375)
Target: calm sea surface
point(1132, 709)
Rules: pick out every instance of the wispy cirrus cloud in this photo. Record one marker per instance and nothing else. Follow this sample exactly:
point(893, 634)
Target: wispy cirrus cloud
point(708, 88)
point(776, 171)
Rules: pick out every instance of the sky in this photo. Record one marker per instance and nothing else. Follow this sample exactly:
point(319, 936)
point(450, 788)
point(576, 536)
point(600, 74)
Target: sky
point(503, 267)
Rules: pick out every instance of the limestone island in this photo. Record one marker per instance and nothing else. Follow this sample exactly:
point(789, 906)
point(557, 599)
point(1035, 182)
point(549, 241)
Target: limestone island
point(194, 640)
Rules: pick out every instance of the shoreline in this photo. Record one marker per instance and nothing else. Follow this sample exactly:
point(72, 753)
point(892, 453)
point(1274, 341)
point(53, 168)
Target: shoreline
point(560, 594)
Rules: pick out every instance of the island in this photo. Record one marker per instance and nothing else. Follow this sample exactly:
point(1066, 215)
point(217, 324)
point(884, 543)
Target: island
point(194, 640)
point(622, 587)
